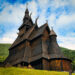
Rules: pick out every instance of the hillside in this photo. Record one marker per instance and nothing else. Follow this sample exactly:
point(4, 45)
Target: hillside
point(4, 51)
point(67, 52)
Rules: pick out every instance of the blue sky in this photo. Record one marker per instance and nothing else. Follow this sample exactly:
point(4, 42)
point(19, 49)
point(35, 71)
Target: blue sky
point(59, 13)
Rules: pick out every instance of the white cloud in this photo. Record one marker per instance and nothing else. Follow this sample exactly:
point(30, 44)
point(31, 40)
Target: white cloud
point(66, 19)
point(33, 9)
point(52, 19)
point(6, 40)
point(12, 13)
point(72, 2)
point(67, 42)
point(43, 3)
point(42, 18)
point(8, 37)
point(15, 13)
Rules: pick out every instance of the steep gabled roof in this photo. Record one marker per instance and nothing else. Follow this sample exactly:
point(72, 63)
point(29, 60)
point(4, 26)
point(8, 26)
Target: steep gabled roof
point(24, 37)
point(30, 34)
point(38, 32)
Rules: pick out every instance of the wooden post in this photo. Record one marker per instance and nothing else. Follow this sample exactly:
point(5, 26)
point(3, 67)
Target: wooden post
point(61, 64)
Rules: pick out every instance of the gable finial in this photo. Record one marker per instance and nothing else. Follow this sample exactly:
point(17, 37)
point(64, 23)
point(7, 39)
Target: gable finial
point(36, 20)
point(27, 6)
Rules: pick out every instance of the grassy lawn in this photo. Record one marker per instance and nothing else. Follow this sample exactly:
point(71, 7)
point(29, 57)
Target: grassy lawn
point(24, 71)
point(73, 73)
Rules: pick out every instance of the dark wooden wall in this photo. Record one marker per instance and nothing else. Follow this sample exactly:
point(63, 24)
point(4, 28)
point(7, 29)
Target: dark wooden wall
point(67, 66)
point(45, 38)
point(60, 65)
point(37, 64)
point(17, 49)
point(45, 35)
point(36, 47)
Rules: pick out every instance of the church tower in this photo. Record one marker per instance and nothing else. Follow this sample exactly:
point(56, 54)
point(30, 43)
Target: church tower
point(27, 23)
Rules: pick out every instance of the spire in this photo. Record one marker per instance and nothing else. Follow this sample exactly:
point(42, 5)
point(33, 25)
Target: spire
point(27, 11)
point(27, 21)
point(52, 32)
point(26, 5)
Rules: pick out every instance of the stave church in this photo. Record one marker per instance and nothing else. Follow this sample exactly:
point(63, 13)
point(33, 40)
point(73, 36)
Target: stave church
point(37, 47)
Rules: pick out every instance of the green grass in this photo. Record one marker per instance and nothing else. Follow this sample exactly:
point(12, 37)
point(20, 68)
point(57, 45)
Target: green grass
point(73, 73)
point(24, 71)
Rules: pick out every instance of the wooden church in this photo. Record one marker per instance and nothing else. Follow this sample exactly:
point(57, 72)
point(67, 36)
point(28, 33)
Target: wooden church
point(37, 47)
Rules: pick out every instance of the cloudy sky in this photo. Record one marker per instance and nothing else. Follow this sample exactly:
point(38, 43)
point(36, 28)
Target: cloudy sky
point(59, 13)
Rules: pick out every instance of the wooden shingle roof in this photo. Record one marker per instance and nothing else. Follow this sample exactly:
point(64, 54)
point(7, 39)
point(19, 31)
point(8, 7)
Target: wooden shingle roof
point(30, 35)
point(37, 32)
